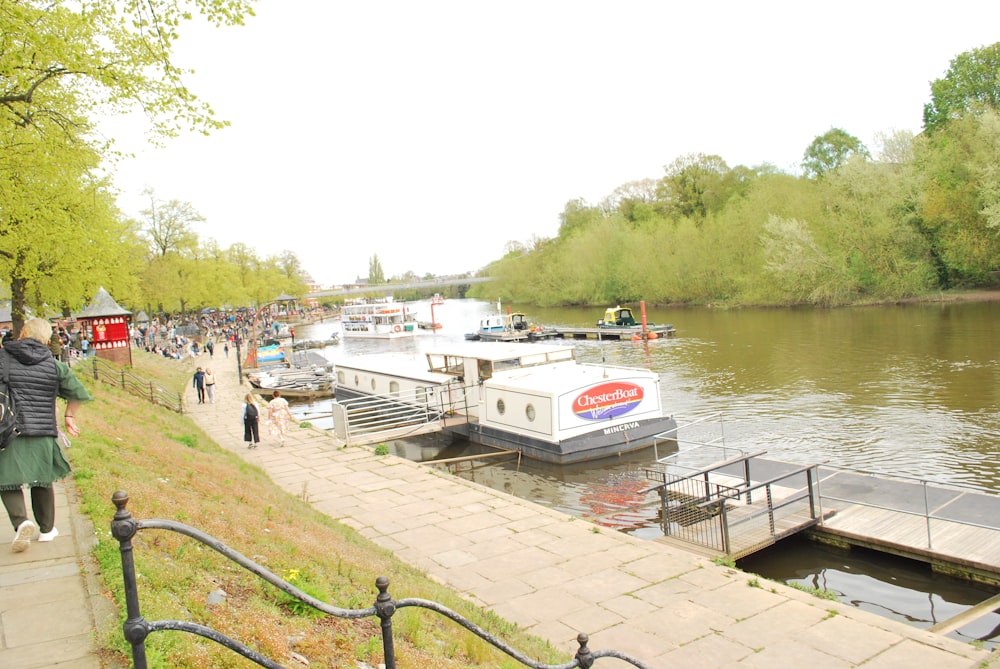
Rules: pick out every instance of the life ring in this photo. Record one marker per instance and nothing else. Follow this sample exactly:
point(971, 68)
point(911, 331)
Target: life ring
point(396, 329)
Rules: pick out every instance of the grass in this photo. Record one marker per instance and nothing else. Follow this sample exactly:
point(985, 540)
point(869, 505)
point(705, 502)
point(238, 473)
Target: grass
point(172, 470)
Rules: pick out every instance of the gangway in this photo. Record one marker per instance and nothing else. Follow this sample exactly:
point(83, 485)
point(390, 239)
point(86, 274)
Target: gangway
point(709, 499)
point(375, 418)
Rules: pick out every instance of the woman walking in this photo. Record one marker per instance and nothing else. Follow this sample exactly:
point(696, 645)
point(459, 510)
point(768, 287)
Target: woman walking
point(278, 416)
point(210, 385)
point(34, 458)
point(251, 417)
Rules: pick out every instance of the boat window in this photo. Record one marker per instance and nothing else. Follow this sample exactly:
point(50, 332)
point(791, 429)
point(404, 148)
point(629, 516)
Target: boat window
point(421, 394)
point(485, 369)
point(357, 381)
point(529, 411)
point(394, 387)
point(503, 365)
point(501, 407)
point(340, 378)
point(373, 384)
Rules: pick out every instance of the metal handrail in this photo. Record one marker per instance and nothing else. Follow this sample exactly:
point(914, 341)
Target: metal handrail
point(927, 514)
point(136, 628)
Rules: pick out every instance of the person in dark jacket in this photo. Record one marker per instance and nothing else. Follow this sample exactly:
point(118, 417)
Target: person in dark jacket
point(34, 458)
point(251, 425)
point(198, 381)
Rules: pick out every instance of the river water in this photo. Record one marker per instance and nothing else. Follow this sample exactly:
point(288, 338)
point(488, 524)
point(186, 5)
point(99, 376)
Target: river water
point(910, 389)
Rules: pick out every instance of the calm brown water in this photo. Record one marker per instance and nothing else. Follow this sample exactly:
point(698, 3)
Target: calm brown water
point(911, 390)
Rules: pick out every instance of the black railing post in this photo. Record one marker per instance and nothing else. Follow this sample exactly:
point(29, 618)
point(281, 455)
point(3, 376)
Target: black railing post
point(94, 363)
point(123, 379)
point(384, 608)
point(583, 655)
point(152, 393)
point(136, 629)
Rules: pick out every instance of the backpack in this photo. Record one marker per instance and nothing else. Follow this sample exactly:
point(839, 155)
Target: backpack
point(8, 413)
point(251, 411)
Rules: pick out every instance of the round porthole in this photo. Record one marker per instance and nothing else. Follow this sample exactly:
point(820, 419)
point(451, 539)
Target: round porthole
point(340, 378)
point(357, 381)
point(394, 387)
point(501, 407)
point(373, 384)
point(529, 411)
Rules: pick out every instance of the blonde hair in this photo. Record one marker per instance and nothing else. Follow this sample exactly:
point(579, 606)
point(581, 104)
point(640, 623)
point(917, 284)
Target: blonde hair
point(37, 329)
point(250, 400)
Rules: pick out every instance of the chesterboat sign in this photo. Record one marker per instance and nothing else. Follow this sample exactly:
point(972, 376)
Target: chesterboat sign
point(607, 400)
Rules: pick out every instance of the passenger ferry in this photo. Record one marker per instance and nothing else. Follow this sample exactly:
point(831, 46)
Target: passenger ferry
point(379, 320)
point(529, 397)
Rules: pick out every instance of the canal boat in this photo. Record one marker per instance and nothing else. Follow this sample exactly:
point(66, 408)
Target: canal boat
point(530, 397)
point(379, 320)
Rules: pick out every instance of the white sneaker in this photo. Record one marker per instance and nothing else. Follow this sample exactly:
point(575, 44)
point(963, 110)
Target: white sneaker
point(48, 536)
point(22, 538)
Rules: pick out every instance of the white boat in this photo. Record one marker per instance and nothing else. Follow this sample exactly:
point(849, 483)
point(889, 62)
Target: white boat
point(533, 398)
point(379, 320)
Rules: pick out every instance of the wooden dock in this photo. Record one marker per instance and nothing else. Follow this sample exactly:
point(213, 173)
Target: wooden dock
point(955, 529)
point(651, 332)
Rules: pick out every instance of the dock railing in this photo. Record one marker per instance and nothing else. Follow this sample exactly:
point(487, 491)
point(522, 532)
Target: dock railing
point(364, 416)
point(925, 508)
point(136, 628)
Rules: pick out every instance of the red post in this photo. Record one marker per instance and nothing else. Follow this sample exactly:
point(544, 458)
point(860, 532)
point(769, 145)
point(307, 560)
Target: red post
point(642, 306)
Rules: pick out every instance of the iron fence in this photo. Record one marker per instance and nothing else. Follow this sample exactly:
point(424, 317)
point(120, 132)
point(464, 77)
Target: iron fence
point(136, 628)
point(135, 384)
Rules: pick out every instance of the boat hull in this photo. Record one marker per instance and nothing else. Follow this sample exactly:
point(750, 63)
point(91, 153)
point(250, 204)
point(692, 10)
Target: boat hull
point(602, 443)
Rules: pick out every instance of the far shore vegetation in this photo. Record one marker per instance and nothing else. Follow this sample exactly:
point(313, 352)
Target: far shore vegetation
point(172, 470)
point(911, 216)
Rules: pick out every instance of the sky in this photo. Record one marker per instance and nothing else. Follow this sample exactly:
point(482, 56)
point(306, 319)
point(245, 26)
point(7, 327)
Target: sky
point(432, 133)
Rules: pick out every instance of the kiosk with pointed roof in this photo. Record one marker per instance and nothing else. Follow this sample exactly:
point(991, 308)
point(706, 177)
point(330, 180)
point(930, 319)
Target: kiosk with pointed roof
point(107, 325)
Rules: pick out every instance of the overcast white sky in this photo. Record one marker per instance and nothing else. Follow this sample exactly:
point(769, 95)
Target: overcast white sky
point(433, 132)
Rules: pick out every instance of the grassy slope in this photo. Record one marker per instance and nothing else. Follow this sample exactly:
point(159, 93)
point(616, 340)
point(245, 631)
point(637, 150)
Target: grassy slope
point(172, 470)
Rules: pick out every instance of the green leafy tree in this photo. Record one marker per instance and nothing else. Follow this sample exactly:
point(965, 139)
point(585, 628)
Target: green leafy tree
point(59, 66)
point(695, 185)
point(971, 86)
point(831, 150)
point(376, 277)
point(168, 225)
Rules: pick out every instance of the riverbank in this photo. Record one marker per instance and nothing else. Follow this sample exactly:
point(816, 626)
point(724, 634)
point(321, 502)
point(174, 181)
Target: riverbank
point(555, 576)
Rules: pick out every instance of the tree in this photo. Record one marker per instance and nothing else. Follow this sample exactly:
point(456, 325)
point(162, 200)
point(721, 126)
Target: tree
point(168, 225)
point(831, 150)
point(59, 227)
point(376, 276)
point(695, 185)
point(59, 66)
point(971, 86)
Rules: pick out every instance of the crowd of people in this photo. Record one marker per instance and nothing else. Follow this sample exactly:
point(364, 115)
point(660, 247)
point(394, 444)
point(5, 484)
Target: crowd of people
point(36, 370)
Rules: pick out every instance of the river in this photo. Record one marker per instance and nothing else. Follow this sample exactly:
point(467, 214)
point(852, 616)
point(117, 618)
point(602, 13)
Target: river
point(911, 389)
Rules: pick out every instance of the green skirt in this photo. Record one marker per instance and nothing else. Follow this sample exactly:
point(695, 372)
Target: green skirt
point(32, 461)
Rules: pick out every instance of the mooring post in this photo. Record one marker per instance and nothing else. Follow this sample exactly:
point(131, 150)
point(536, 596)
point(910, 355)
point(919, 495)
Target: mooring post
point(384, 608)
point(123, 528)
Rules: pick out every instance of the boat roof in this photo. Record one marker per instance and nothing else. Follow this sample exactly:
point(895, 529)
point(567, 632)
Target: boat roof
point(490, 350)
point(564, 377)
point(404, 365)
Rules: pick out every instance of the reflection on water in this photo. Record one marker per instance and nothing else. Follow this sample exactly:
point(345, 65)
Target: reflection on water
point(892, 587)
point(911, 390)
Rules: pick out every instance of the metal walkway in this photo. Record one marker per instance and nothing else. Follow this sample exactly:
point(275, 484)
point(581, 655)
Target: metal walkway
point(376, 418)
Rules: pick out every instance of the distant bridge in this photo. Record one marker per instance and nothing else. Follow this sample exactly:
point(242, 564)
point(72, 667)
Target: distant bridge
point(408, 285)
